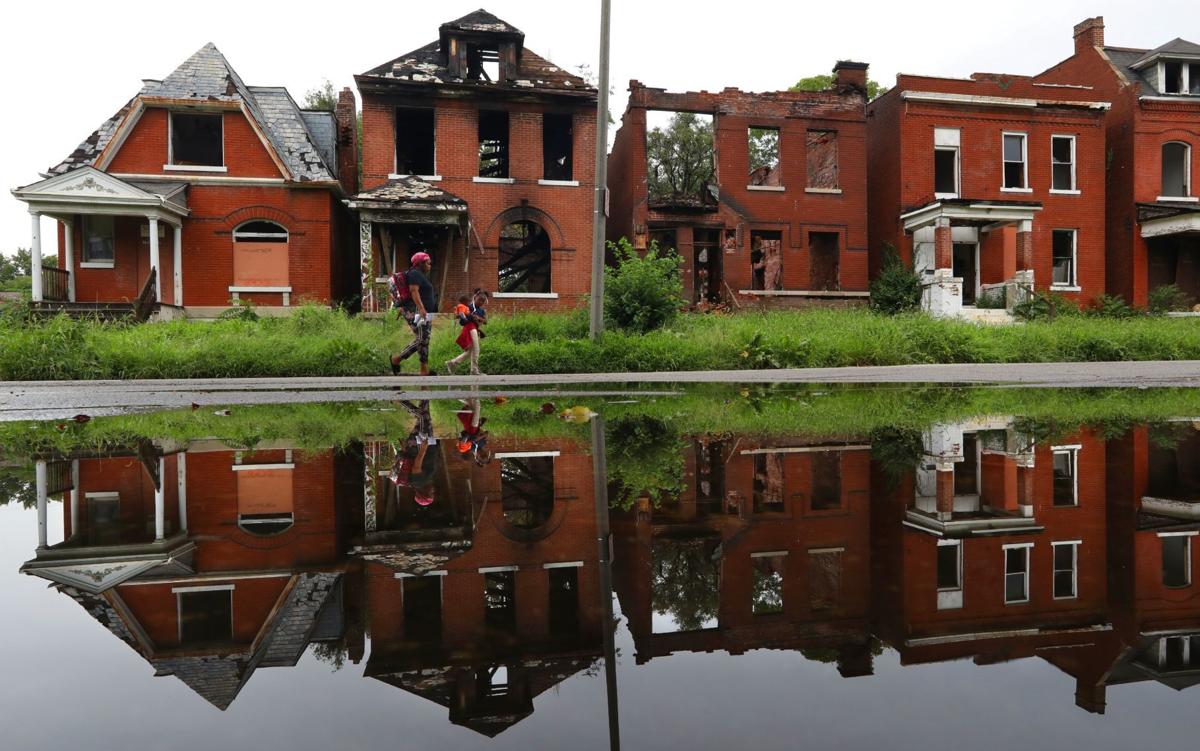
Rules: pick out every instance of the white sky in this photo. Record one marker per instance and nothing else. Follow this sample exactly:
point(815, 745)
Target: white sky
point(67, 66)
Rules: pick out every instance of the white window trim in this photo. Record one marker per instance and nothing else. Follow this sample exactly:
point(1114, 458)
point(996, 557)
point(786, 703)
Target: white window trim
point(203, 588)
point(83, 247)
point(249, 467)
point(1027, 546)
point(1074, 569)
point(560, 183)
point(782, 188)
point(1184, 79)
point(402, 575)
point(495, 180)
point(171, 166)
point(525, 454)
point(1073, 452)
point(395, 135)
point(1073, 285)
point(526, 295)
point(96, 264)
point(1187, 556)
point(956, 150)
point(1024, 162)
point(1074, 189)
point(496, 569)
point(943, 543)
point(426, 178)
point(824, 191)
point(563, 564)
point(770, 554)
point(1187, 172)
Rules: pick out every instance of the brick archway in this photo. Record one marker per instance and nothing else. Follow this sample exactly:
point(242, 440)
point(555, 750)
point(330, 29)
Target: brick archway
point(235, 218)
point(491, 237)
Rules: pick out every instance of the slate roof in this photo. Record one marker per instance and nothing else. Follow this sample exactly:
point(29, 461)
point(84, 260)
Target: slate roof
point(1126, 58)
point(412, 192)
point(206, 76)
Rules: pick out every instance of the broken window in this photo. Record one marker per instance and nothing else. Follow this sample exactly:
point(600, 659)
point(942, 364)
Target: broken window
point(945, 162)
point(826, 481)
point(500, 600)
point(823, 260)
point(206, 616)
point(1194, 79)
point(1014, 161)
point(524, 259)
point(1176, 163)
point(1062, 163)
point(196, 140)
point(1063, 249)
point(949, 565)
point(564, 600)
point(1016, 574)
point(493, 143)
point(768, 483)
point(822, 159)
point(764, 156)
point(767, 593)
point(1066, 556)
point(966, 472)
point(766, 260)
point(422, 596)
point(415, 149)
point(99, 239)
point(684, 585)
point(483, 63)
point(558, 146)
point(679, 154)
point(1173, 74)
point(527, 490)
point(1176, 560)
point(1066, 480)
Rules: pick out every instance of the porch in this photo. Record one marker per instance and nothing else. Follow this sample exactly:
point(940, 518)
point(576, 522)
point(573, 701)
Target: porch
point(1171, 232)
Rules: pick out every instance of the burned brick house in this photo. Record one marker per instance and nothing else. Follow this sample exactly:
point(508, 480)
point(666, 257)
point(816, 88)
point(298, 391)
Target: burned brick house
point(475, 150)
point(781, 215)
point(199, 190)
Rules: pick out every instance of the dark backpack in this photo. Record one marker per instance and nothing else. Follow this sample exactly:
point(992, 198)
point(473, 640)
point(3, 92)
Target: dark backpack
point(398, 287)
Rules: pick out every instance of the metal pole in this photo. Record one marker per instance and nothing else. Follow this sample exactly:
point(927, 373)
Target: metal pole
point(599, 214)
point(604, 546)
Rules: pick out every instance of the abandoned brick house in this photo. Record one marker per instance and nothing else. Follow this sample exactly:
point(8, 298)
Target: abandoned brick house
point(782, 218)
point(477, 151)
point(198, 190)
point(1153, 135)
point(988, 185)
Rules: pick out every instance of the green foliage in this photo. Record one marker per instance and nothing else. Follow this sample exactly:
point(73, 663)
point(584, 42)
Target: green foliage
point(991, 300)
point(825, 81)
point(1045, 306)
point(1112, 306)
point(323, 97)
point(1168, 298)
point(239, 310)
point(764, 148)
point(645, 458)
point(642, 292)
point(683, 582)
point(897, 288)
point(679, 158)
point(897, 451)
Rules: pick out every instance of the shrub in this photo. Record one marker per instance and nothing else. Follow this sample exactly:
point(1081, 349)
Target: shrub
point(1166, 299)
point(991, 300)
point(1112, 306)
point(898, 288)
point(1045, 306)
point(642, 292)
point(239, 310)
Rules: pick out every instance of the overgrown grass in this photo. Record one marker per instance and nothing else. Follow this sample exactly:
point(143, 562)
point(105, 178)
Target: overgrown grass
point(319, 342)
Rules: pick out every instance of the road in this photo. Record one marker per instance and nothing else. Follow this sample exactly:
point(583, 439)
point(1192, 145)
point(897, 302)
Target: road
point(57, 399)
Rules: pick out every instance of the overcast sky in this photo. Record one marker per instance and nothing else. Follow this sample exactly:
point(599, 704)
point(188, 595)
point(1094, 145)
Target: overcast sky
point(67, 66)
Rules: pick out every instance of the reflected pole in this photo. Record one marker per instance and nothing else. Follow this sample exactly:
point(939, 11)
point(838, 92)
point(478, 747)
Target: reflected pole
point(600, 206)
point(603, 547)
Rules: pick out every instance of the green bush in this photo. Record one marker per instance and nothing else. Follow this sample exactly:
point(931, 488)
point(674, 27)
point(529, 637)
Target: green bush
point(1112, 306)
point(898, 288)
point(991, 300)
point(1167, 299)
point(1045, 306)
point(642, 292)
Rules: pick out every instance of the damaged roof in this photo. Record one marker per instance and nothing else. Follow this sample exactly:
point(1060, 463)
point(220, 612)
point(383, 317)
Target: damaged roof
point(206, 76)
point(480, 21)
point(409, 190)
point(1133, 62)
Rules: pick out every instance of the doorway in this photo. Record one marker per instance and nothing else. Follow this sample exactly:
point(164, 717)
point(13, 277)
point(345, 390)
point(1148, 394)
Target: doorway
point(706, 265)
point(966, 267)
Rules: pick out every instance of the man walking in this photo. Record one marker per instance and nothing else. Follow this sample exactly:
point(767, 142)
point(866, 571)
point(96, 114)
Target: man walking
point(418, 310)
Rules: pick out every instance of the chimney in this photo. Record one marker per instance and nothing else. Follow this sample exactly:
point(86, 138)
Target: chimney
point(1089, 34)
point(346, 116)
point(850, 74)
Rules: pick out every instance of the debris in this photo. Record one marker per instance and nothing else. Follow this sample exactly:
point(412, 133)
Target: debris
point(81, 418)
point(576, 414)
point(548, 408)
point(223, 412)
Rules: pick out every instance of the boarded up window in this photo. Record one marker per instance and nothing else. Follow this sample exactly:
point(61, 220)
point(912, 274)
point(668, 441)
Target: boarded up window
point(823, 261)
point(822, 159)
point(264, 500)
point(260, 255)
point(824, 578)
point(768, 483)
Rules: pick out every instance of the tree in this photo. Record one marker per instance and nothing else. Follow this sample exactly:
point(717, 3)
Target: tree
point(764, 148)
point(14, 270)
point(321, 98)
point(825, 81)
point(679, 158)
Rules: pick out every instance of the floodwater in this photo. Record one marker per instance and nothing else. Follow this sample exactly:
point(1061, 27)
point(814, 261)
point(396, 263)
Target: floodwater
point(463, 583)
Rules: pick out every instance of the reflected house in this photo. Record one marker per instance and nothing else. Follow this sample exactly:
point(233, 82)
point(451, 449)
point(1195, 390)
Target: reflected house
point(488, 595)
point(211, 563)
point(996, 550)
point(766, 548)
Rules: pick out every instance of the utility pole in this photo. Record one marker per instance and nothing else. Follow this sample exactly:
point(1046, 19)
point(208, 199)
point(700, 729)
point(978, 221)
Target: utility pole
point(599, 212)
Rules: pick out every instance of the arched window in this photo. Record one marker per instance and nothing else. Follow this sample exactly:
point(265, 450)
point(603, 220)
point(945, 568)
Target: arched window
point(260, 230)
point(1176, 170)
point(524, 258)
point(260, 256)
point(527, 490)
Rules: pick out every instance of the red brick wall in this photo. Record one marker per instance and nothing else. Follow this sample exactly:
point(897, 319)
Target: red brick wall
point(144, 151)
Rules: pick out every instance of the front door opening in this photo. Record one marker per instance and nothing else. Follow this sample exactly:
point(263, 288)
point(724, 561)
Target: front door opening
point(706, 265)
point(966, 268)
point(823, 260)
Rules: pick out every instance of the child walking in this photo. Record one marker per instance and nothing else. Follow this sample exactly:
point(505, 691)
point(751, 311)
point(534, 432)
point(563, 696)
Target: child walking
point(471, 318)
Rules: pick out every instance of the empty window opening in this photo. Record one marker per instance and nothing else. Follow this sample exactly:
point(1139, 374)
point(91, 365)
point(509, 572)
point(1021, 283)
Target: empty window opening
point(205, 617)
point(768, 584)
point(493, 143)
point(483, 63)
point(564, 600)
point(1173, 74)
point(500, 600)
point(945, 161)
point(710, 473)
point(822, 159)
point(766, 260)
point(679, 155)
point(1014, 161)
point(422, 608)
point(768, 483)
point(415, 141)
point(764, 156)
point(949, 565)
point(1194, 79)
point(99, 239)
point(558, 146)
point(1176, 560)
point(826, 481)
point(1062, 163)
point(823, 260)
point(1016, 574)
point(1176, 165)
point(527, 490)
point(1066, 570)
point(1066, 478)
point(966, 472)
point(524, 258)
point(706, 265)
point(684, 584)
point(196, 140)
point(1063, 249)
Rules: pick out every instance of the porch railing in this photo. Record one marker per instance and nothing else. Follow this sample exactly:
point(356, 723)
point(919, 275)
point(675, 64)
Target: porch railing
point(56, 284)
point(144, 305)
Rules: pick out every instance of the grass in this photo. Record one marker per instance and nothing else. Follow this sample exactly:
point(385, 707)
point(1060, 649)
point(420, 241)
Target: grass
point(319, 342)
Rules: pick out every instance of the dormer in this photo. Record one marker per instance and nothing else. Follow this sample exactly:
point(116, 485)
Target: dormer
point(1173, 68)
point(481, 47)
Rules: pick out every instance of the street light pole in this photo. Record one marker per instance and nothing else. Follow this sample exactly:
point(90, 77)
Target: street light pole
point(599, 212)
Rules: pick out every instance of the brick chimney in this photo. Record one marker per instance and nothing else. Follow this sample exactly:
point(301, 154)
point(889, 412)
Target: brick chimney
point(346, 116)
point(1089, 33)
point(850, 74)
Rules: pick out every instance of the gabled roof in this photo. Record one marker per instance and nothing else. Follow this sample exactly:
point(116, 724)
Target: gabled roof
point(480, 21)
point(207, 76)
point(1133, 62)
point(1176, 46)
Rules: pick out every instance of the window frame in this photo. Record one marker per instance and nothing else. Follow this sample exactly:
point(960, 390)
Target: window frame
point(1055, 570)
point(1187, 171)
point(837, 161)
point(1073, 283)
point(1025, 547)
point(1074, 189)
point(957, 544)
point(1073, 452)
point(179, 593)
point(1004, 162)
point(1187, 557)
point(171, 165)
point(84, 263)
point(781, 187)
point(573, 179)
point(956, 148)
point(395, 173)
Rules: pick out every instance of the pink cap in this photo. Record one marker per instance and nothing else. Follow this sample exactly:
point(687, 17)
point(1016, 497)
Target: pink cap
point(423, 498)
point(419, 258)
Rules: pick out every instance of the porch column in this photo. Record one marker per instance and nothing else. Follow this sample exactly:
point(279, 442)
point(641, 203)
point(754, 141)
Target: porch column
point(159, 503)
point(181, 482)
point(1025, 245)
point(1025, 486)
point(39, 473)
point(366, 266)
point(945, 492)
point(74, 499)
point(178, 265)
point(155, 266)
point(35, 257)
point(943, 245)
point(69, 241)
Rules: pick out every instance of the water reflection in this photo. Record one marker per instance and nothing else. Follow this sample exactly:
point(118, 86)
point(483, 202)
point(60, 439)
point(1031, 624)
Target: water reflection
point(464, 567)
